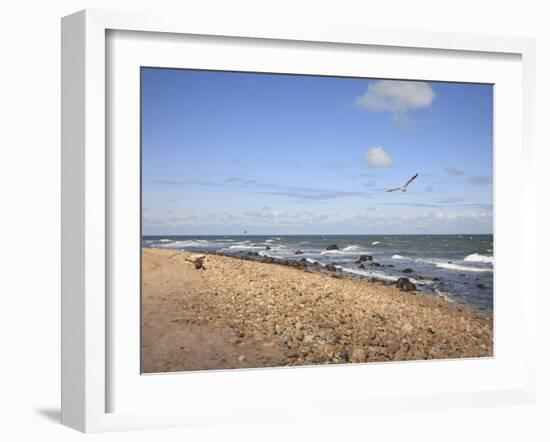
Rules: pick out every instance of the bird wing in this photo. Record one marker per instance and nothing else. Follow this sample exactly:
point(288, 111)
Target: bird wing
point(393, 190)
point(410, 181)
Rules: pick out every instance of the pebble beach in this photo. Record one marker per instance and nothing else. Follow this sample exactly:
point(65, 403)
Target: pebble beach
point(210, 311)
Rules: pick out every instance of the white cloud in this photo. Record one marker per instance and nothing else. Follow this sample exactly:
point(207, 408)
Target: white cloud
point(453, 170)
point(268, 219)
point(396, 97)
point(377, 157)
point(481, 180)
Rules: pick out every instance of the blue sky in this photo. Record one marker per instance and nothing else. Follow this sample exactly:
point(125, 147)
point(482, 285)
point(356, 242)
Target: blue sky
point(226, 152)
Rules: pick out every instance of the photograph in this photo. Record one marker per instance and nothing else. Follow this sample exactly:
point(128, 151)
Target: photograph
point(301, 220)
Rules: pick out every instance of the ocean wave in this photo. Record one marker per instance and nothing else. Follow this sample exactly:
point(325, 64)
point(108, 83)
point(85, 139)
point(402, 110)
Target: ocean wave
point(339, 252)
point(475, 257)
point(370, 274)
point(350, 248)
point(246, 247)
point(398, 257)
point(277, 247)
point(375, 242)
point(183, 244)
point(165, 240)
point(451, 266)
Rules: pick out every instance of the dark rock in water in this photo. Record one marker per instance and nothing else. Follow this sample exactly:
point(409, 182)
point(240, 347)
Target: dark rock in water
point(269, 259)
point(480, 286)
point(375, 264)
point(267, 248)
point(408, 271)
point(361, 266)
point(253, 254)
point(298, 252)
point(435, 278)
point(303, 260)
point(390, 265)
point(419, 277)
point(363, 258)
point(333, 247)
point(330, 268)
point(405, 284)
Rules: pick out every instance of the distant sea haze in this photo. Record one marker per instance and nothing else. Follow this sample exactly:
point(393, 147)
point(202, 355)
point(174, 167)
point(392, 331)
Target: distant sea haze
point(458, 267)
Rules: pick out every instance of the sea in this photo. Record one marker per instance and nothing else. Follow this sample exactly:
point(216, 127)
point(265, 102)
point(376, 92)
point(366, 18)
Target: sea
point(456, 267)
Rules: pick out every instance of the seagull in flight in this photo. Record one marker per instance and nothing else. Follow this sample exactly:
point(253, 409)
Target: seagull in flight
point(404, 187)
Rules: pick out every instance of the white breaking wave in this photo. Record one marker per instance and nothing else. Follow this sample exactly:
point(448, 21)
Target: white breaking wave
point(375, 242)
point(277, 247)
point(450, 266)
point(182, 244)
point(370, 274)
point(398, 257)
point(475, 257)
point(350, 248)
point(339, 252)
point(165, 240)
point(384, 276)
point(246, 247)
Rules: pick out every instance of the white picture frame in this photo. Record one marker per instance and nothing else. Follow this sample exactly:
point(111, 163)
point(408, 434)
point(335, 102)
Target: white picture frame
point(86, 204)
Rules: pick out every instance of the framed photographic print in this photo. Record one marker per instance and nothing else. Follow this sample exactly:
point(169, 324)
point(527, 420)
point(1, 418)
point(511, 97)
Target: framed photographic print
point(269, 223)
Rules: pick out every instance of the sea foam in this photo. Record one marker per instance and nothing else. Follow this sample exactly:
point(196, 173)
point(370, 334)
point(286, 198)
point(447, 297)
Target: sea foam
point(450, 266)
point(475, 257)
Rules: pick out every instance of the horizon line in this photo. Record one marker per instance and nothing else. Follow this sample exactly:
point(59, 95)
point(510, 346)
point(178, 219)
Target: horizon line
point(315, 234)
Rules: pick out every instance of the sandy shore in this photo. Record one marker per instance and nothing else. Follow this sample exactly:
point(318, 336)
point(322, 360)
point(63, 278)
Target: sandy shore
point(234, 313)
